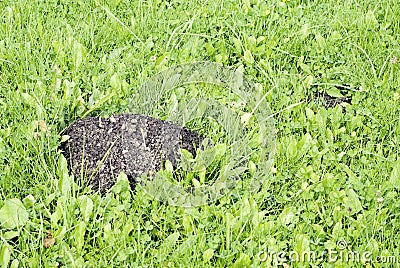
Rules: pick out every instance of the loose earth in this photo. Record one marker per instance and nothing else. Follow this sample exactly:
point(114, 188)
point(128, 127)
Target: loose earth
point(98, 149)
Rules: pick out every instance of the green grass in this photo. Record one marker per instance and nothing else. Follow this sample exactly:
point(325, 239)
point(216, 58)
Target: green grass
point(62, 60)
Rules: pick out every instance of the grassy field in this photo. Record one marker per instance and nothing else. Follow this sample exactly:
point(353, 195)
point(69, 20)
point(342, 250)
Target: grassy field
point(335, 181)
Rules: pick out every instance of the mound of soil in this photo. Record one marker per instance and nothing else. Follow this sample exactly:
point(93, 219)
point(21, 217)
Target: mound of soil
point(100, 148)
point(328, 101)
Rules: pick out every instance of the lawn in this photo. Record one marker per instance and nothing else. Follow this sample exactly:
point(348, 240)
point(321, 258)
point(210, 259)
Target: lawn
point(330, 197)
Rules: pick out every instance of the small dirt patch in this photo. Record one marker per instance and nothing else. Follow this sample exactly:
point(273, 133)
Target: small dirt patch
point(328, 101)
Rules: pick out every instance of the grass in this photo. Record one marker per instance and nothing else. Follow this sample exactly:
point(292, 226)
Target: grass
point(336, 176)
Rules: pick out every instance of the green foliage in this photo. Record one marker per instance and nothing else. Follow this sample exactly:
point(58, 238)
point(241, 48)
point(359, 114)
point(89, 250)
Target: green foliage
point(13, 214)
point(336, 174)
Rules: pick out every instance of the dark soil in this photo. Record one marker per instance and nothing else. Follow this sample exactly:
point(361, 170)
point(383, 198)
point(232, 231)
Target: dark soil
point(100, 148)
point(328, 101)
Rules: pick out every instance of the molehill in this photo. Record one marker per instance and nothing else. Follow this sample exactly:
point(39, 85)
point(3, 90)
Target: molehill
point(98, 149)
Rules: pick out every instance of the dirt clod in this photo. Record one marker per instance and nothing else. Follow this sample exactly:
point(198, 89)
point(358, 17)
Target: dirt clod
point(328, 101)
point(100, 148)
